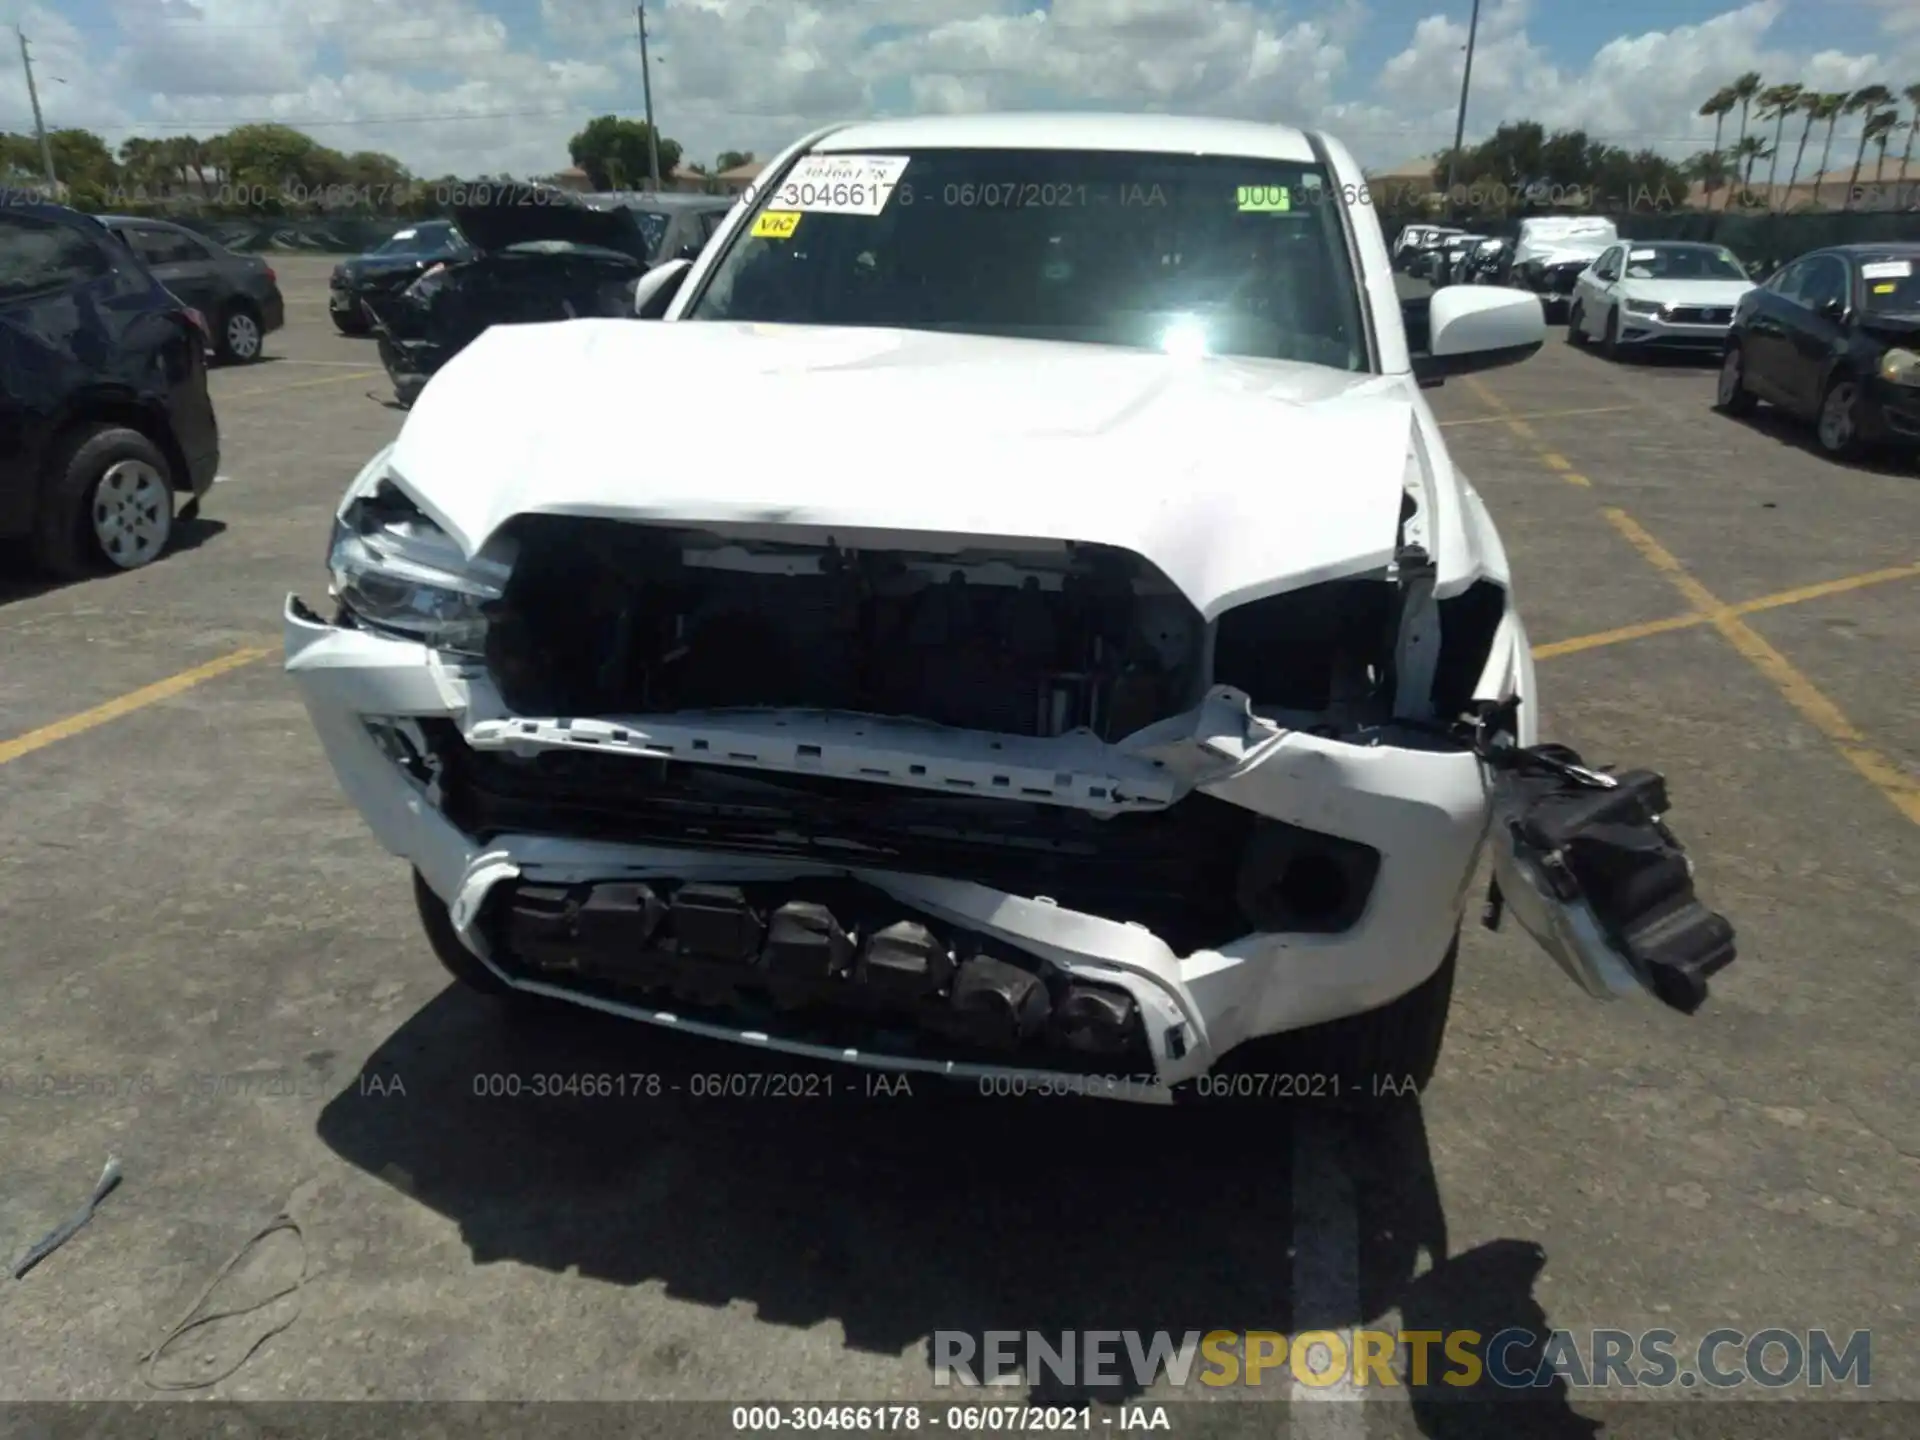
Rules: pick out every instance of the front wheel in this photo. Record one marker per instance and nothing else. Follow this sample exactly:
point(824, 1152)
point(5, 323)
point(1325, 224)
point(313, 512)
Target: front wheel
point(1359, 1062)
point(1838, 428)
point(1576, 326)
point(1732, 396)
point(1610, 347)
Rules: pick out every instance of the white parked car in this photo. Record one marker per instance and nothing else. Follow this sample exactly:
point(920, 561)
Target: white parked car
point(1089, 664)
point(1658, 295)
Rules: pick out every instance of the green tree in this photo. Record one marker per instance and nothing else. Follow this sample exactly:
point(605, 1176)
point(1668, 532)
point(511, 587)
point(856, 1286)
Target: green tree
point(84, 165)
point(1746, 90)
point(732, 160)
point(614, 153)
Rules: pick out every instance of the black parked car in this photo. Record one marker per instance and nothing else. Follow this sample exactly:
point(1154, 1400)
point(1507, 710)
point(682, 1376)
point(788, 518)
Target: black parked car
point(239, 294)
point(1834, 338)
point(107, 434)
point(388, 269)
point(538, 254)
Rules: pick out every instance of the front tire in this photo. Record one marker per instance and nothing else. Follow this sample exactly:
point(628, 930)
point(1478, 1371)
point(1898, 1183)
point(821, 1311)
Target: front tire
point(1576, 327)
point(1837, 426)
point(108, 503)
point(1732, 397)
point(1360, 1062)
point(450, 950)
point(1610, 347)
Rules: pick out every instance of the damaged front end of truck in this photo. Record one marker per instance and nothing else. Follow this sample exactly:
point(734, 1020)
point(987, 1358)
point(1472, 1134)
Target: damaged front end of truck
point(969, 810)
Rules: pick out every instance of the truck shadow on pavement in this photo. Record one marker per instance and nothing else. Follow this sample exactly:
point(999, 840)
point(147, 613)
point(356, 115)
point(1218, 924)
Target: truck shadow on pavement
point(21, 580)
point(932, 1208)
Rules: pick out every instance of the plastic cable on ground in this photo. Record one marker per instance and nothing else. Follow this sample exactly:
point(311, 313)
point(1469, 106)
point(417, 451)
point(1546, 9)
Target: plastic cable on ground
point(193, 1320)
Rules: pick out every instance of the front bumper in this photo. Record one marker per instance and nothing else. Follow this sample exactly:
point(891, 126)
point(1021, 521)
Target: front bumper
point(1424, 810)
point(1661, 332)
point(1892, 413)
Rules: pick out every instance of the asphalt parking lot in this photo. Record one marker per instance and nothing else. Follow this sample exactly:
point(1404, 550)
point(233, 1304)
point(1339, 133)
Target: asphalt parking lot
point(187, 895)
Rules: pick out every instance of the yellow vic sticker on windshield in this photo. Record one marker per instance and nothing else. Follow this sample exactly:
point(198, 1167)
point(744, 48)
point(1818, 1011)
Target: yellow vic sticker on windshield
point(777, 224)
point(1263, 199)
point(1885, 289)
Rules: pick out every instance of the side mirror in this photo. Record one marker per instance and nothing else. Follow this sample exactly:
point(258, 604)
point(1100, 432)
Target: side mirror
point(656, 289)
point(1472, 328)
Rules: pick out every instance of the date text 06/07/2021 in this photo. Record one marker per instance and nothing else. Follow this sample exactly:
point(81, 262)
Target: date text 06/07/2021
point(954, 1419)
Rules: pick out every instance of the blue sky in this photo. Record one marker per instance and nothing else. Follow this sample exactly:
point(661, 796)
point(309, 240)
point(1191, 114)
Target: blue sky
point(499, 84)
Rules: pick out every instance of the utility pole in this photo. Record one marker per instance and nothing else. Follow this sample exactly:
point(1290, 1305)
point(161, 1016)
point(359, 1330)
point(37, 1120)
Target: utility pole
point(1460, 125)
point(39, 125)
point(646, 86)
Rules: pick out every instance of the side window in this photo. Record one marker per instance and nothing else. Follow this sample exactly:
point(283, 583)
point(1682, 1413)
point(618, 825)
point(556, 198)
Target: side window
point(1826, 280)
point(1786, 282)
point(164, 247)
point(38, 255)
point(1607, 267)
point(710, 222)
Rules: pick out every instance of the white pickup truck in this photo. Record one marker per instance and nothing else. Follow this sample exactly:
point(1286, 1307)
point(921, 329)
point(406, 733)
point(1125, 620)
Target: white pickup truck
point(1090, 671)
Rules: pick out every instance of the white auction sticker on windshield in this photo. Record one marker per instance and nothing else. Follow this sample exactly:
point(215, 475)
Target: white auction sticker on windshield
point(1887, 269)
point(840, 184)
point(1644, 255)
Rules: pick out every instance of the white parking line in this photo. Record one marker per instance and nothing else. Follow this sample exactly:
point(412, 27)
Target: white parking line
point(1326, 1273)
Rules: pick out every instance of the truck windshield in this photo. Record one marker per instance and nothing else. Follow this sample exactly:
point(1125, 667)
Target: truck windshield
point(1194, 254)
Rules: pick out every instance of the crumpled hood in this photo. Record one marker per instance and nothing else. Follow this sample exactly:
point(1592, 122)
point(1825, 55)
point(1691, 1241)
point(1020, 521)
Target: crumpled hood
point(1236, 478)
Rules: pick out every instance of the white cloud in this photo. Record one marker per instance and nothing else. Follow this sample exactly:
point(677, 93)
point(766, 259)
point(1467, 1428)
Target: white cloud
point(472, 85)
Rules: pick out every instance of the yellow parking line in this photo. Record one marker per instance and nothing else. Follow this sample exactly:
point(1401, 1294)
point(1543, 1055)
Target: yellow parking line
point(1800, 596)
point(297, 385)
point(1883, 774)
point(66, 729)
point(1616, 637)
point(1538, 415)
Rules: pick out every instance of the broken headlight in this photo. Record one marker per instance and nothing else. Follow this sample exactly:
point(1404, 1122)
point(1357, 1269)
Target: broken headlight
point(394, 569)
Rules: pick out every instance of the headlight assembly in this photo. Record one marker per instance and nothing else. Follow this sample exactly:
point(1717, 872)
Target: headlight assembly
point(1900, 367)
point(1645, 307)
point(393, 569)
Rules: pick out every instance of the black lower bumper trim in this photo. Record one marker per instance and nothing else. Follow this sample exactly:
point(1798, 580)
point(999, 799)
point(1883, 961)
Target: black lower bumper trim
point(835, 963)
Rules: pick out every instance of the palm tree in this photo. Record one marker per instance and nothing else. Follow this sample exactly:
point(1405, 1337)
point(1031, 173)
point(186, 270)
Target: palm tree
point(1719, 105)
point(1751, 148)
point(1912, 96)
point(1808, 104)
point(1868, 98)
point(1881, 125)
point(1745, 90)
point(1709, 168)
point(1776, 103)
point(1832, 105)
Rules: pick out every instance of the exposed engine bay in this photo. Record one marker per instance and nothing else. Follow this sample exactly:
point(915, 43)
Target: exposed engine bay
point(604, 617)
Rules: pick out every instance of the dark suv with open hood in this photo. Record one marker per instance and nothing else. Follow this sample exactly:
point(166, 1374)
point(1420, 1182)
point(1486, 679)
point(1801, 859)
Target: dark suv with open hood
point(537, 254)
